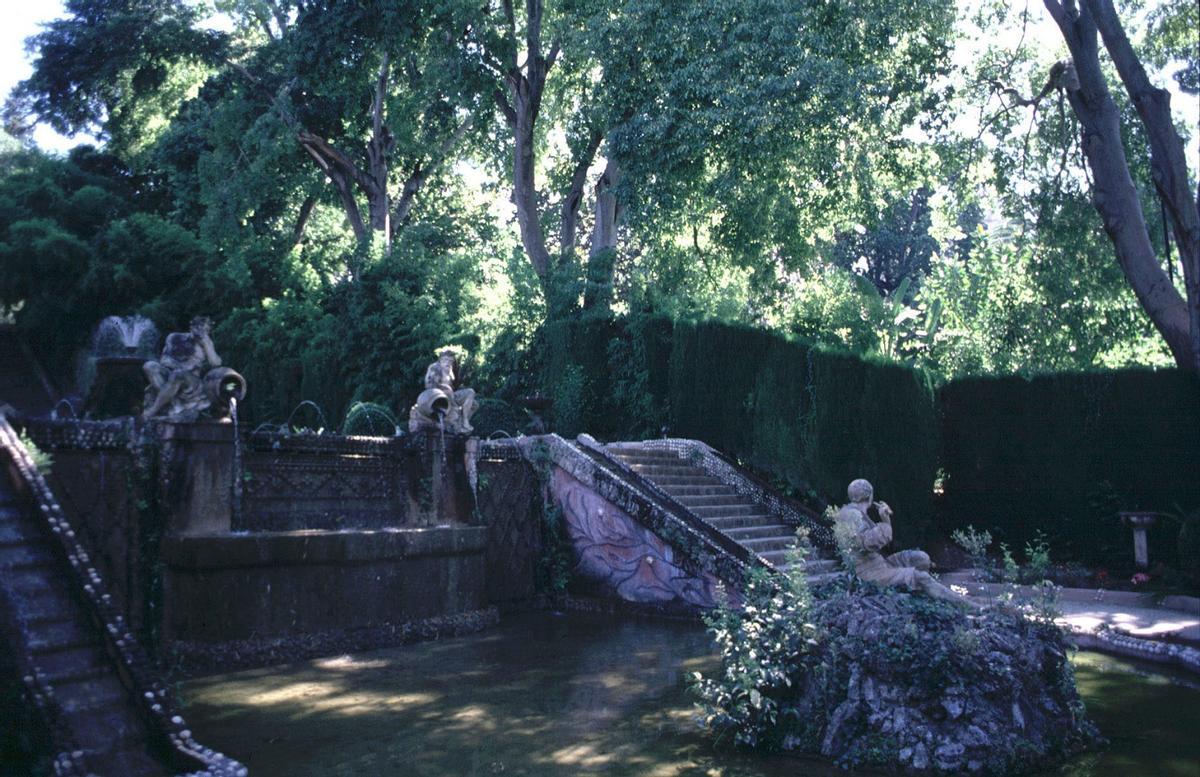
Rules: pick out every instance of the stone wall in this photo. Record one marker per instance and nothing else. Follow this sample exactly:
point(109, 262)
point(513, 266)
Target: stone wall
point(335, 482)
point(328, 534)
point(266, 585)
point(508, 501)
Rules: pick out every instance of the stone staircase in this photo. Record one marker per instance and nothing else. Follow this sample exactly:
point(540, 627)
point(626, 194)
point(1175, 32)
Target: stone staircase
point(51, 627)
point(741, 518)
point(91, 688)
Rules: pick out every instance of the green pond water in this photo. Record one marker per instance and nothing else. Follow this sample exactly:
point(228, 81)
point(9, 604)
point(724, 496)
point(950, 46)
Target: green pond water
point(564, 695)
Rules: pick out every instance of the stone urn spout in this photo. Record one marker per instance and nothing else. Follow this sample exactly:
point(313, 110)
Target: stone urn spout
point(223, 385)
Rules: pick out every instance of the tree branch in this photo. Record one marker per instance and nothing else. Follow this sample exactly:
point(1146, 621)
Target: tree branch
point(574, 197)
point(510, 115)
point(306, 209)
point(1168, 161)
point(419, 175)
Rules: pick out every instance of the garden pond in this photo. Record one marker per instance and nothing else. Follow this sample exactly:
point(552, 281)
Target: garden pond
point(566, 694)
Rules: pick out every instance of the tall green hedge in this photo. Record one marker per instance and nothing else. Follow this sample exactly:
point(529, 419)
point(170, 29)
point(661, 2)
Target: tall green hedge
point(1063, 453)
point(816, 418)
point(607, 376)
point(1059, 453)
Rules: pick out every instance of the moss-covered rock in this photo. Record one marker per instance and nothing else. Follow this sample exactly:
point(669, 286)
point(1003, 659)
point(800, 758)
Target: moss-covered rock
point(898, 681)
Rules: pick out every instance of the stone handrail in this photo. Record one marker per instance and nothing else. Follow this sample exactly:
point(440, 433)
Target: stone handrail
point(134, 667)
point(700, 545)
point(680, 511)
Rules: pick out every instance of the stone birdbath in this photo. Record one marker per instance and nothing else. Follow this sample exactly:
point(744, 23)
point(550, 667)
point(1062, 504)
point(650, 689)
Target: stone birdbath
point(1139, 521)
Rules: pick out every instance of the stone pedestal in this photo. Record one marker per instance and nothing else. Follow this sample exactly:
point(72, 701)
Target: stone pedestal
point(1139, 522)
point(439, 482)
point(197, 476)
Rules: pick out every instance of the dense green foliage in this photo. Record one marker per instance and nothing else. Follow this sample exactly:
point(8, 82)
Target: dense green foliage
point(81, 238)
point(1061, 454)
point(368, 341)
point(852, 213)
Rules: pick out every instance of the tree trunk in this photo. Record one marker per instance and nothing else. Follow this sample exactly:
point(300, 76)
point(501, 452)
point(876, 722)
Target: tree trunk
point(525, 193)
point(574, 199)
point(379, 148)
point(306, 209)
point(597, 294)
point(520, 107)
point(1168, 162)
point(1114, 194)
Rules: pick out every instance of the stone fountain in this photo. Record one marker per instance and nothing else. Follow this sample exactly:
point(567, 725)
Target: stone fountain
point(119, 348)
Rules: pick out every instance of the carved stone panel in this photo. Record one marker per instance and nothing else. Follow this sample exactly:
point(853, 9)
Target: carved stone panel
point(622, 555)
point(289, 491)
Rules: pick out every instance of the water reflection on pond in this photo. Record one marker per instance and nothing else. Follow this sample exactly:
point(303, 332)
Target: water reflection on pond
point(564, 695)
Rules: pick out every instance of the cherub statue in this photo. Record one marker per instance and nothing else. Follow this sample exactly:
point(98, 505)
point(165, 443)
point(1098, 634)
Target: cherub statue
point(864, 538)
point(188, 378)
point(440, 405)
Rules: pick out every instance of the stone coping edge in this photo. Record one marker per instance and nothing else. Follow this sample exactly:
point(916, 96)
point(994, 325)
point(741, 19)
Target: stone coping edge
point(253, 549)
point(599, 605)
point(196, 659)
point(1178, 602)
point(1116, 643)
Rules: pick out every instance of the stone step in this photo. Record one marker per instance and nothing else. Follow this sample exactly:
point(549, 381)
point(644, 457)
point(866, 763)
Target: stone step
point(64, 635)
point(777, 557)
point(709, 500)
point(729, 511)
point(74, 664)
point(811, 567)
point(655, 471)
point(648, 457)
point(637, 449)
point(26, 556)
point(14, 532)
point(128, 757)
point(28, 582)
point(46, 609)
point(762, 545)
point(106, 727)
point(769, 530)
point(725, 523)
point(678, 491)
point(685, 480)
point(90, 693)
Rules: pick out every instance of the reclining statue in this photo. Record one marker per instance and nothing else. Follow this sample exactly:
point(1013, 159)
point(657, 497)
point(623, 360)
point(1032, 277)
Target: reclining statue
point(188, 379)
point(863, 538)
point(440, 405)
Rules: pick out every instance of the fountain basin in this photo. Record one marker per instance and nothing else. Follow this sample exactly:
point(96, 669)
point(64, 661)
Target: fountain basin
point(273, 584)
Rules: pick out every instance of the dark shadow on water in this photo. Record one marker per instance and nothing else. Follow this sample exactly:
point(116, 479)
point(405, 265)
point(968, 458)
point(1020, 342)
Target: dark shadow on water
point(545, 695)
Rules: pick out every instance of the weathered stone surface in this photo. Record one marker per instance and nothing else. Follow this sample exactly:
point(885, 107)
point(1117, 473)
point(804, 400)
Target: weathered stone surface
point(265, 585)
point(440, 405)
point(624, 556)
point(920, 686)
point(188, 380)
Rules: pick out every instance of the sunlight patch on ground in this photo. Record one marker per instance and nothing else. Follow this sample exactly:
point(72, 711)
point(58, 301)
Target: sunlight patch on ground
point(351, 663)
point(582, 756)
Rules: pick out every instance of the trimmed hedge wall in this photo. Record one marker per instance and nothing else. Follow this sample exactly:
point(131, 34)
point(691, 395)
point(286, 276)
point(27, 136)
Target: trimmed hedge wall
point(813, 417)
point(1058, 453)
point(1064, 452)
